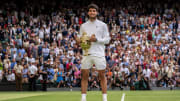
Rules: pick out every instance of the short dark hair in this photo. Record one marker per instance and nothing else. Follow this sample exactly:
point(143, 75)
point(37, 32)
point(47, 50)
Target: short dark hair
point(93, 6)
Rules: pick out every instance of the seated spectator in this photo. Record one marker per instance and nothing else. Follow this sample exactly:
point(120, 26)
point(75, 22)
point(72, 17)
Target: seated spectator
point(25, 74)
point(94, 82)
point(68, 80)
point(1, 69)
point(10, 76)
point(118, 79)
point(77, 76)
point(60, 80)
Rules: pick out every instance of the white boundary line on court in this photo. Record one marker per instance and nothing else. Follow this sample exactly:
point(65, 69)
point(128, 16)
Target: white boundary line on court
point(123, 96)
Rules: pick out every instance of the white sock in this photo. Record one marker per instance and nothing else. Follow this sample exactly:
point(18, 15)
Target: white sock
point(83, 97)
point(104, 97)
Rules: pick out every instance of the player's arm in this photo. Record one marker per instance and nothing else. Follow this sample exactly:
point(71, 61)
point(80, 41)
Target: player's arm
point(93, 38)
point(77, 37)
point(106, 38)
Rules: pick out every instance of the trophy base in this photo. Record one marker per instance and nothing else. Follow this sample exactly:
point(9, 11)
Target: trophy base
point(86, 53)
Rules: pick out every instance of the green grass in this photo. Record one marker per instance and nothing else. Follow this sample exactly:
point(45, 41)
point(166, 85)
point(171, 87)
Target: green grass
point(91, 96)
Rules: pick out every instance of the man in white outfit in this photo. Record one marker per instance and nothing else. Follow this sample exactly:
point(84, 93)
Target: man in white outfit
point(99, 36)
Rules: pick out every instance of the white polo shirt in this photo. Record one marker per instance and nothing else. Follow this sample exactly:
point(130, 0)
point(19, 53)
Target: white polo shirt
point(32, 69)
point(101, 32)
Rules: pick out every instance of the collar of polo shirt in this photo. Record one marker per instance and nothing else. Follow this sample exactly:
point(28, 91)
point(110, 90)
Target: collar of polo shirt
point(92, 21)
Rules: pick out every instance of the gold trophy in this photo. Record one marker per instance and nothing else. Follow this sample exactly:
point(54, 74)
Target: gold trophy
point(85, 43)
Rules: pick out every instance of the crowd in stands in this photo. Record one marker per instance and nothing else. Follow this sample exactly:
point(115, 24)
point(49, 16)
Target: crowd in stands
point(144, 50)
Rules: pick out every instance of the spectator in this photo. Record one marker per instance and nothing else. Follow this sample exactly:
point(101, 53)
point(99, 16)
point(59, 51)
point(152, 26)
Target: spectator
point(25, 74)
point(10, 76)
point(1, 70)
point(18, 74)
point(60, 75)
point(69, 80)
point(77, 76)
point(32, 72)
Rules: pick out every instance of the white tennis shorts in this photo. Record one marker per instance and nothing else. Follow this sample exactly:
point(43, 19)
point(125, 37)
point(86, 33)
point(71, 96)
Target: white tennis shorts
point(88, 61)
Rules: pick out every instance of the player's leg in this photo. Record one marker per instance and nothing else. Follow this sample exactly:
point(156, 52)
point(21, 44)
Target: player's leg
point(84, 83)
point(100, 63)
point(84, 80)
point(103, 83)
point(86, 65)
